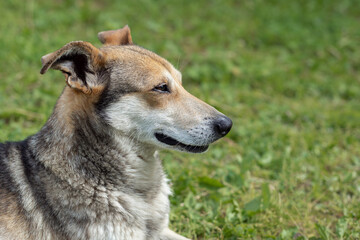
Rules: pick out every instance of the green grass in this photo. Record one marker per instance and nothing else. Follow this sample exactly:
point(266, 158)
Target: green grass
point(286, 72)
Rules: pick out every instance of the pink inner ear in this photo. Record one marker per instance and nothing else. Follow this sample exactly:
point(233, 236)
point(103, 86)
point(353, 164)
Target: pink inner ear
point(116, 37)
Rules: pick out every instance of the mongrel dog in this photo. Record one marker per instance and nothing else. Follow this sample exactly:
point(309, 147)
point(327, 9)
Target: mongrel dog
point(92, 171)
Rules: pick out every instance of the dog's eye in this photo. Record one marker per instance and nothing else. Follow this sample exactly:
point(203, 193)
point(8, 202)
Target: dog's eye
point(161, 88)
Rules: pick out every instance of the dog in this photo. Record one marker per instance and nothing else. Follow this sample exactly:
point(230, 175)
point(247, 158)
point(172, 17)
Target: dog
point(92, 171)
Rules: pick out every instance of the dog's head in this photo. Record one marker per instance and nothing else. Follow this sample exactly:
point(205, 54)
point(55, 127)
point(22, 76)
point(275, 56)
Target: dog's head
point(137, 93)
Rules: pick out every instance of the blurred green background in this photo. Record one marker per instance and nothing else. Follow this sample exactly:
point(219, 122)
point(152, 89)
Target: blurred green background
point(286, 72)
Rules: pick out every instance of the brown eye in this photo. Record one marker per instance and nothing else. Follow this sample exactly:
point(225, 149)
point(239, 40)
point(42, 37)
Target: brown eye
point(163, 88)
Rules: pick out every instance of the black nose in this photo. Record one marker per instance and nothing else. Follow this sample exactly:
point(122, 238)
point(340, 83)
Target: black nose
point(222, 125)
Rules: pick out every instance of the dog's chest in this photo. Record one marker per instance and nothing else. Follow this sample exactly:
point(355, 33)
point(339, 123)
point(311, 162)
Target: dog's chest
point(128, 216)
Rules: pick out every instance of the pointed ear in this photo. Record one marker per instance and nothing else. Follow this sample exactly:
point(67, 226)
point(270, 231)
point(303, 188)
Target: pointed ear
point(121, 36)
point(78, 61)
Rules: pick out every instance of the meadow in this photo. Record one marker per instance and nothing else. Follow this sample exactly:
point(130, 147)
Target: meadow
point(286, 72)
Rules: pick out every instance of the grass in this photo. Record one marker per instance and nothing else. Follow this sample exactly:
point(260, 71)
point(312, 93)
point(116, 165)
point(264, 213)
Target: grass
point(286, 72)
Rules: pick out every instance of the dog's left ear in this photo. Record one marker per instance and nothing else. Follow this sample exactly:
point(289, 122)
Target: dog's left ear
point(79, 62)
point(121, 36)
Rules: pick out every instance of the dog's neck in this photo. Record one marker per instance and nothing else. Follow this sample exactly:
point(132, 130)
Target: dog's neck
point(86, 148)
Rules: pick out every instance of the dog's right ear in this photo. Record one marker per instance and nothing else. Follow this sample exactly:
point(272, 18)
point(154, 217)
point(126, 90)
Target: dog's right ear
point(121, 36)
point(78, 61)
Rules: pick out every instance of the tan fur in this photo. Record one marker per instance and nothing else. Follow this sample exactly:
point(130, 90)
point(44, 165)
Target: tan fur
point(145, 62)
point(80, 103)
point(116, 37)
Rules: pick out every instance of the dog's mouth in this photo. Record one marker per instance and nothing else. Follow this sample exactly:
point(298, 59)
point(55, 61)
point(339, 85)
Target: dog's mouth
point(173, 142)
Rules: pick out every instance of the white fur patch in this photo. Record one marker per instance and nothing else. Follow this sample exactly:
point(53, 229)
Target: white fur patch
point(133, 117)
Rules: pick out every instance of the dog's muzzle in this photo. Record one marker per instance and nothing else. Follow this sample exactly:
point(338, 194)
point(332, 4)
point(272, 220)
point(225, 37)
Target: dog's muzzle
point(220, 127)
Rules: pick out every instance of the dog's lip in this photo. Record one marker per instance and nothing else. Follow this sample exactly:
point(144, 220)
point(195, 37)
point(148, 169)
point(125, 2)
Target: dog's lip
point(173, 142)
